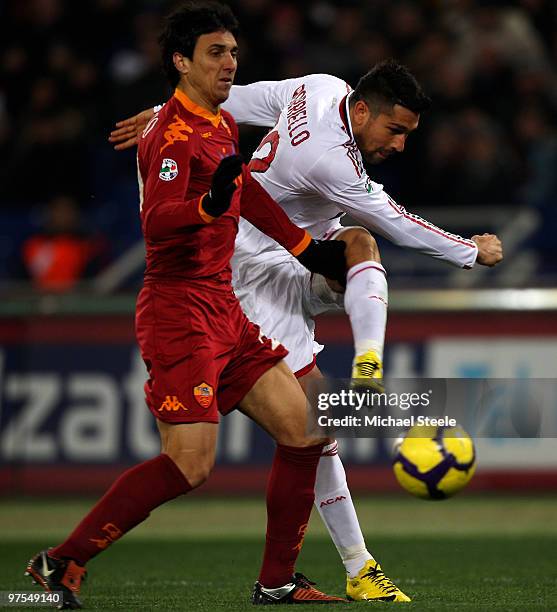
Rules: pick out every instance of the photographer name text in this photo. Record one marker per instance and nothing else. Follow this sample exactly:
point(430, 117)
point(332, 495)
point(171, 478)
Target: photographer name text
point(384, 421)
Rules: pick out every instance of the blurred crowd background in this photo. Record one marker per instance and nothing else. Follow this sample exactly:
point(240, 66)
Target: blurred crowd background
point(69, 70)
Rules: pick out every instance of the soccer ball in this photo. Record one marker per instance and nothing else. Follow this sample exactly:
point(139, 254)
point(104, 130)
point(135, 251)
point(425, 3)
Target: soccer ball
point(434, 462)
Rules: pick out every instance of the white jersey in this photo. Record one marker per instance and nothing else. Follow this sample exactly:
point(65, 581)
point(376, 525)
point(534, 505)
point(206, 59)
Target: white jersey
point(310, 164)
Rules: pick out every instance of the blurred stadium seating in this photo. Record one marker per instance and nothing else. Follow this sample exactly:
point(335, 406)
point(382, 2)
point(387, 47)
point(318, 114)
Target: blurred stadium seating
point(483, 158)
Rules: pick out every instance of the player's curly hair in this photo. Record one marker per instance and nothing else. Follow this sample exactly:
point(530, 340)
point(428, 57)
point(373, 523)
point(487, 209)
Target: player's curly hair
point(389, 83)
point(185, 25)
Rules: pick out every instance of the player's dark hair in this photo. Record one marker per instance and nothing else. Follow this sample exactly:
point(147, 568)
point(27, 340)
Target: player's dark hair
point(389, 83)
point(186, 24)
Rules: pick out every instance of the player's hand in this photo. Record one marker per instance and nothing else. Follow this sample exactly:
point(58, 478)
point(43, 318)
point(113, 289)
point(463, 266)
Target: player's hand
point(325, 257)
point(490, 249)
point(223, 185)
point(129, 130)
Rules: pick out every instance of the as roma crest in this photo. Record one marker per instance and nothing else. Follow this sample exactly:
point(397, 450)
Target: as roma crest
point(203, 394)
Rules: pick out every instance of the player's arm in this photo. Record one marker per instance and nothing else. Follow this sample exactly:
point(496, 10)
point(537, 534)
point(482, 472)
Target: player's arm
point(166, 210)
point(322, 257)
point(260, 103)
point(128, 131)
point(169, 212)
point(370, 205)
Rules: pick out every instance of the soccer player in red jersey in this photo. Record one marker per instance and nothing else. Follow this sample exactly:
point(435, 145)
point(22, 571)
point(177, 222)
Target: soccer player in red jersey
point(202, 354)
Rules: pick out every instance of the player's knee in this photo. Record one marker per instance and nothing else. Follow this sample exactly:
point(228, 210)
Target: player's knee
point(198, 474)
point(195, 469)
point(360, 246)
point(297, 436)
point(302, 441)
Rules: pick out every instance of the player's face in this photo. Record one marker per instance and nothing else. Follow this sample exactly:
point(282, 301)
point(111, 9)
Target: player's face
point(210, 73)
point(379, 136)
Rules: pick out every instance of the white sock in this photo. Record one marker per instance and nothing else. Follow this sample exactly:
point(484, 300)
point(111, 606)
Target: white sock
point(365, 302)
point(334, 503)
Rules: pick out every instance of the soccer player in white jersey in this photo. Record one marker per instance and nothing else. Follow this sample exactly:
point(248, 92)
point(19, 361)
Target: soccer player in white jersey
point(312, 164)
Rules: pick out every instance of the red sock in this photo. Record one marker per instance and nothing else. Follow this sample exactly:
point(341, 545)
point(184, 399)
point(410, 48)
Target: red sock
point(127, 503)
point(290, 495)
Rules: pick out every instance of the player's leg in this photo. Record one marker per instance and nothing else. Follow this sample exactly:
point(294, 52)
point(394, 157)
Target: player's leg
point(286, 297)
point(188, 452)
point(365, 301)
point(334, 502)
point(365, 580)
point(286, 294)
point(277, 403)
point(188, 439)
point(192, 447)
point(187, 458)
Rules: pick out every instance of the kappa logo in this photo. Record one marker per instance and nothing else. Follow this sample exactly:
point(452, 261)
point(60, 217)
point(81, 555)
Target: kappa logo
point(169, 170)
point(331, 500)
point(111, 532)
point(175, 132)
point(302, 534)
point(203, 394)
point(172, 404)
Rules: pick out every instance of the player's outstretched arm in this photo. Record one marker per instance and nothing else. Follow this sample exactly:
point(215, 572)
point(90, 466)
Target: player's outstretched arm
point(490, 249)
point(127, 132)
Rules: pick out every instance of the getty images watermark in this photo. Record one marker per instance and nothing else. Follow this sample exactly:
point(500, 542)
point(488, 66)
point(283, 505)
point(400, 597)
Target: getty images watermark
point(363, 400)
point(492, 408)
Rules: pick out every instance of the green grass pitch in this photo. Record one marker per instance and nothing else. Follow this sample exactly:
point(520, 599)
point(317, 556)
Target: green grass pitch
point(468, 553)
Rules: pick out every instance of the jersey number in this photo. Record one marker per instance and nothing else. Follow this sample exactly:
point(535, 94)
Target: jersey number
point(262, 164)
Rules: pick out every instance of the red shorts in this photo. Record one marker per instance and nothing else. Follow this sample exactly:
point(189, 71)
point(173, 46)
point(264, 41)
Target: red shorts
point(202, 353)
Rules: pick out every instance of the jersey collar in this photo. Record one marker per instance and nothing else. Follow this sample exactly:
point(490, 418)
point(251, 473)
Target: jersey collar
point(344, 111)
point(192, 107)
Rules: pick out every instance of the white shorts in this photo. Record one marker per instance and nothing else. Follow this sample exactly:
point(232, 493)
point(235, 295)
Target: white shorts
point(282, 297)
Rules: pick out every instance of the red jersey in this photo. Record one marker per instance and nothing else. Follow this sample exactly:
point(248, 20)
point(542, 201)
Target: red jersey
point(178, 154)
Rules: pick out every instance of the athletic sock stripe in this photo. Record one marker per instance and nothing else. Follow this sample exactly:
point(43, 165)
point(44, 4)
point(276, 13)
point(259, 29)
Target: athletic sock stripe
point(330, 452)
point(366, 268)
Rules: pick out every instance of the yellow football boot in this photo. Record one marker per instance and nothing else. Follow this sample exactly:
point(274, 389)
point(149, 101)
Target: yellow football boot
point(367, 372)
point(371, 584)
